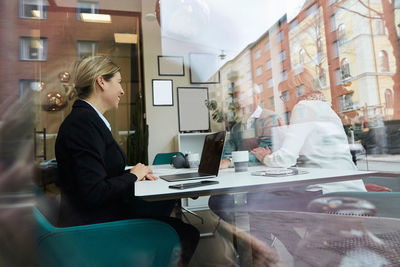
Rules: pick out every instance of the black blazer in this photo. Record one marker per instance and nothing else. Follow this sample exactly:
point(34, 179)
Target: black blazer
point(94, 185)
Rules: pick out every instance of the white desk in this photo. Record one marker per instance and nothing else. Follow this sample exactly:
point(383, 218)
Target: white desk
point(230, 182)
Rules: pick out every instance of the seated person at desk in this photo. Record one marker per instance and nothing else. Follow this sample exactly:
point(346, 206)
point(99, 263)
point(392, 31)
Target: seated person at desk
point(253, 131)
point(94, 186)
point(315, 138)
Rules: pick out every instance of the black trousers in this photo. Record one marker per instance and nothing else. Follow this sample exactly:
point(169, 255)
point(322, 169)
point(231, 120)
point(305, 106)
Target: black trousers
point(160, 210)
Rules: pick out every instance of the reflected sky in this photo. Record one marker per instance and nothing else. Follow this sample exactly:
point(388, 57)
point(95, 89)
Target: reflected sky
point(215, 25)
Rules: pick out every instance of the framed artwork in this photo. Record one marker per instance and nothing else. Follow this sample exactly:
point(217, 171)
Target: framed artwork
point(171, 66)
point(162, 93)
point(193, 115)
point(203, 68)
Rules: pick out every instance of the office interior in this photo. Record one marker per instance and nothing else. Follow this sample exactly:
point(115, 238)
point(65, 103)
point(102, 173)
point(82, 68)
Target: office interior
point(175, 57)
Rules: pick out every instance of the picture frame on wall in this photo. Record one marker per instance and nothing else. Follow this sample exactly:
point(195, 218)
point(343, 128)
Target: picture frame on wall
point(162, 92)
point(204, 68)
point(193, 115)
point(171, 66)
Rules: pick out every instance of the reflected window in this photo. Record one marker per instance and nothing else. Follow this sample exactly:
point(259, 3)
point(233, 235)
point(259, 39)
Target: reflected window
point(283, 75)
point(282, 55)
point(302, 55)
point(379, 26)
point(33, 49)
point(388, 98)
point(285, 96)
point(258, 54)
point(294, 23)
point(86, 7)
point(300, 90)
point(335, 48)
point(338, 77)
point(346, 102)
point(333, 22)
point(280, 36)
point(28, 85)
point(384, 61)
point(270, 83)
point(312, 9)
point(341, 33)
point(268, 65)
point(87, 49)
point(345, 69)
point(258, 71)
point(267, 46)
point(32, 9)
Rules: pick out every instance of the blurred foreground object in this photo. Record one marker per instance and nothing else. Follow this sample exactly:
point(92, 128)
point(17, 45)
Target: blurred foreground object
point(16, 172)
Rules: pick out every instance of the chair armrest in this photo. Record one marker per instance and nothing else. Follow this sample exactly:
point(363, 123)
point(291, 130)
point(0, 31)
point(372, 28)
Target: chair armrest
point(136, 242)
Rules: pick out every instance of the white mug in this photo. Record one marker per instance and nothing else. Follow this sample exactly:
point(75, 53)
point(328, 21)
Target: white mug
point(240, 160)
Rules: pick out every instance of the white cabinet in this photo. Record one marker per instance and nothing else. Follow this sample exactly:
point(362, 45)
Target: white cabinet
point(193, 143)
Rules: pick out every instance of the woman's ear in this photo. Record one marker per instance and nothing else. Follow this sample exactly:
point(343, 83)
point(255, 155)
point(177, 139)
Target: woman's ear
point(100, 82)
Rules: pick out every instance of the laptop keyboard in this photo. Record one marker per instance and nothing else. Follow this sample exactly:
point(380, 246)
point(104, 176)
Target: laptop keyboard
point(191, 175)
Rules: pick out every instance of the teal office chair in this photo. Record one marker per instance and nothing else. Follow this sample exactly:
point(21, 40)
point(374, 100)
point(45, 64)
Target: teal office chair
point(165, 158)
point(134, 242)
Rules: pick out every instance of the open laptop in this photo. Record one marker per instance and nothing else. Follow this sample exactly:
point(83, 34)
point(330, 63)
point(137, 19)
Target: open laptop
point(209, 162)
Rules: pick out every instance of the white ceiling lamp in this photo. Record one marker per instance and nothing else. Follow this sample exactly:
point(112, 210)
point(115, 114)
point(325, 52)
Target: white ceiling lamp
point(150, 16)
point(126, 38)
point(97, 18)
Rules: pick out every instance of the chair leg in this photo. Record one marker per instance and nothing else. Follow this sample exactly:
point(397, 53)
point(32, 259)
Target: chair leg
point(194, 214)
point(180, 214)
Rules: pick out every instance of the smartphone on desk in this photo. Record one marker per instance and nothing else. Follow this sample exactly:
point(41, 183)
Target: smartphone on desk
point(191, 185)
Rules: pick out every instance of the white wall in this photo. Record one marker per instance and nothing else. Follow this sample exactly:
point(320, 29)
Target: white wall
point(162, 120)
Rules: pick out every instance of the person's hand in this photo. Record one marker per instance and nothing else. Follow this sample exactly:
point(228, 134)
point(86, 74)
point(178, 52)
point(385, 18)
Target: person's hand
point(151, 177)
point(225, 163)
point(142, 172)
point(260, 153)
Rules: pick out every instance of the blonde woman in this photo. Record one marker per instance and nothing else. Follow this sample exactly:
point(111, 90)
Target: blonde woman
point(95, 186)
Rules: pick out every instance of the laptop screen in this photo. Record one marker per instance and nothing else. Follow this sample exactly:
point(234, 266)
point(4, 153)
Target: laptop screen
point(212, 152)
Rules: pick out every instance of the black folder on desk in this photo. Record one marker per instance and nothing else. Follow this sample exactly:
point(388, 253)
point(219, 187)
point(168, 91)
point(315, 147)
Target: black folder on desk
point(209, 161)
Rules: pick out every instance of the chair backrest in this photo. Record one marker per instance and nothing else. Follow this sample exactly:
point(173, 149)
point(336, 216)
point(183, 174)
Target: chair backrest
point(135, 242)
point(164, 158)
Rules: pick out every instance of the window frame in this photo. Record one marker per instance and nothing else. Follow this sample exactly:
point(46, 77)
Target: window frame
point(24, 51)
point(42, 4)
point(94, 50)
point(93, 6)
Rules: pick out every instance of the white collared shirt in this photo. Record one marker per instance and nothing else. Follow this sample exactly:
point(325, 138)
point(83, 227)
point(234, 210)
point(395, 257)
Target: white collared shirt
point(100, 115)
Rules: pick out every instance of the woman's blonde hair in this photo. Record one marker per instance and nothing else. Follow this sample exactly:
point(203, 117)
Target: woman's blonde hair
point(88, 69)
